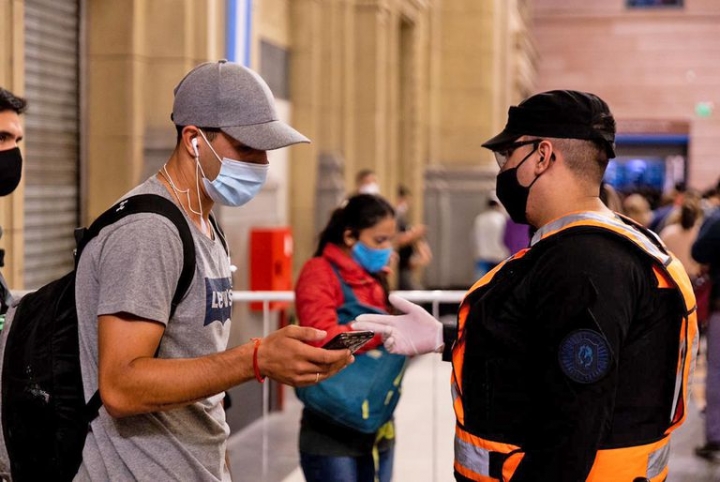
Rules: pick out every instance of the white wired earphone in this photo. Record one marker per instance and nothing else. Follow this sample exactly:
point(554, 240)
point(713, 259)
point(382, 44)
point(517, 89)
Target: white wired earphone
point(194, 143)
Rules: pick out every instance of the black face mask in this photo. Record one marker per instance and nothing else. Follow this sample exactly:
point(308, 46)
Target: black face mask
point(512, 194)
point(10, 170)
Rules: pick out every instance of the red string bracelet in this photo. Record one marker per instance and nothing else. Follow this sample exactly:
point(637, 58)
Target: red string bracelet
point(256, 369)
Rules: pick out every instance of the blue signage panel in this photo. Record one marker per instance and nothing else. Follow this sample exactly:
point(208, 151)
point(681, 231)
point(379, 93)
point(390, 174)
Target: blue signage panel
point(238, 30)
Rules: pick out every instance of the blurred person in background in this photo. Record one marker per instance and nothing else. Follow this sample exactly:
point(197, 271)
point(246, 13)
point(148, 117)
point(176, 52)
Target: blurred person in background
point(11, 133)
point(488, 235)
point(668, 211)
point(706, 250)
point(637, 207)
point(711, 200)
point(680, 234)
point(610, 197)
point(366, 182)
point(517, 236)
point(346, 277)
point(413, 250)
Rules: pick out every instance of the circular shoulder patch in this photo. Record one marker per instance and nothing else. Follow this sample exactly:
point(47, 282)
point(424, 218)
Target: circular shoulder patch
point(584, 356)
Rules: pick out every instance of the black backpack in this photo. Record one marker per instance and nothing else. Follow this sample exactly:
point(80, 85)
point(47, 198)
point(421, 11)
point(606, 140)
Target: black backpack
point(44, 416)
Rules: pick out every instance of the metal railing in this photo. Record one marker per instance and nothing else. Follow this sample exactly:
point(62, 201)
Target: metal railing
point(434, 297)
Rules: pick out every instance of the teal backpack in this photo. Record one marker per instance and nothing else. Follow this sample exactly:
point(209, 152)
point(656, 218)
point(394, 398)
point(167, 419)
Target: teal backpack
point(363, 396)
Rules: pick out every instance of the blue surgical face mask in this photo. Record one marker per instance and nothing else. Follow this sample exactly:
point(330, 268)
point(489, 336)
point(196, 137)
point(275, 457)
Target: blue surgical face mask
point(372, 259)
point(237, 182)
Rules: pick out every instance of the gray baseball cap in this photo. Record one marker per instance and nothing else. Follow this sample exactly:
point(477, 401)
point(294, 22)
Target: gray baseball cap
point(236, 100)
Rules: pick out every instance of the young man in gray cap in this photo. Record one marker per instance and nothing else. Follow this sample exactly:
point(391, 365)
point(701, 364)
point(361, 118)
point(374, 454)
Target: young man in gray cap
point(161, 372)
point(572, 358)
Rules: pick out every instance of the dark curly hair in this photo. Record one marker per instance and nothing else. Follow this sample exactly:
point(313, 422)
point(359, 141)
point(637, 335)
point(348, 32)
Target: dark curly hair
point(10, 101)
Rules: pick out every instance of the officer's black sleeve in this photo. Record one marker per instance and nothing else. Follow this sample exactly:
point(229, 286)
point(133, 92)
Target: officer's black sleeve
point(581, 295)
point(706, 248)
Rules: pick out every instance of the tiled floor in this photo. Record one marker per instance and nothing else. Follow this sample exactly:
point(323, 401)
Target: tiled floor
point(267, 452)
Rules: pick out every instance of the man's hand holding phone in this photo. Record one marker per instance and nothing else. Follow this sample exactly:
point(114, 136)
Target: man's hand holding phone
point(351, 340)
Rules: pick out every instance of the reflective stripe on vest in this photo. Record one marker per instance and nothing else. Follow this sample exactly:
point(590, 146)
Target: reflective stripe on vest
point(472, 452)
point(625, 464)
point(472, 460)
point(472, 456)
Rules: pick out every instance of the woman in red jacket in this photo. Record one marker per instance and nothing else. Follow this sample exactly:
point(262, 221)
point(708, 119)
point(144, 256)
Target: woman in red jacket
point(353, 251)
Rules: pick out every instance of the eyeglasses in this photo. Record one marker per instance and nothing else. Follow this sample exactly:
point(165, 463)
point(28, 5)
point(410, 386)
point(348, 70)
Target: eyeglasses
point(502, 155)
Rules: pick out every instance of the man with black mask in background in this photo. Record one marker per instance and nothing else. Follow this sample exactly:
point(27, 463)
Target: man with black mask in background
point(11, 133)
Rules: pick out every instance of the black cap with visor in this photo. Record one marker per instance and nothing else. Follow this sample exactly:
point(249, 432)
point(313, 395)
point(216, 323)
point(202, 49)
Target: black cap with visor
point(560, 114)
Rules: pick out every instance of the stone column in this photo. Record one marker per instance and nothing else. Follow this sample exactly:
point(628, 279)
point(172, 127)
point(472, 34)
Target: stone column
point(306, 89)
point(471, 86)
point(372, 107)
point(12, 67)
point(138, 51)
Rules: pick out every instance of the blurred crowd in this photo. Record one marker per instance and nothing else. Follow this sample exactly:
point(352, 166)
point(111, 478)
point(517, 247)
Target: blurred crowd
point(677, 217)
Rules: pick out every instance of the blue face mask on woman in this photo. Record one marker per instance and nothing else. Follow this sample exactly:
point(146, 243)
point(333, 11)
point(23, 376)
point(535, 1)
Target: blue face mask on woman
point(372, 259)
point(237, 182)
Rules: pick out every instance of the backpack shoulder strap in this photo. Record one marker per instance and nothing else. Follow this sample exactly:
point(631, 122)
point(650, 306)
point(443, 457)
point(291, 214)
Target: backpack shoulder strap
point(93, 406)
point(141, 203)
point(148, 203)
point(348, 294)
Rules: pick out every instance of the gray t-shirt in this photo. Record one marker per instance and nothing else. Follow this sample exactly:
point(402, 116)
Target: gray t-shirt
point(133, 266)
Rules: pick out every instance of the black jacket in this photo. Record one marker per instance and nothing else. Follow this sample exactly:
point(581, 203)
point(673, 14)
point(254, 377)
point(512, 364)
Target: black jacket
point(515, 388)
point(706, 250)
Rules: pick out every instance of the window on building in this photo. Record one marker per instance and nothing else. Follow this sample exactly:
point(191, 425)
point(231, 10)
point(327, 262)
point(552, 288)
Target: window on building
point(653, 3)
point(274, 67)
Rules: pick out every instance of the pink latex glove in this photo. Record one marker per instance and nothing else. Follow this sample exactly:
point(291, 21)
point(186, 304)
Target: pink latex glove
point(416, 332)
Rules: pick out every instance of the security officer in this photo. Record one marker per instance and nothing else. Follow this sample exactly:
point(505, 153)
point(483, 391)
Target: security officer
point(572, 357)
point(11, 132)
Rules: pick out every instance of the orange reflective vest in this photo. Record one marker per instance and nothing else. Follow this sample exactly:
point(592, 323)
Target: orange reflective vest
point(625, 464)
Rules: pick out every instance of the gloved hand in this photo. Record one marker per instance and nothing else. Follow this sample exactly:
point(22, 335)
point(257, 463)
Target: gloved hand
point(415, 333)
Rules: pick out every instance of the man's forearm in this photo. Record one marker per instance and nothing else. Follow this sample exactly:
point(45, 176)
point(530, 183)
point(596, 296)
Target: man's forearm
point(154, 384)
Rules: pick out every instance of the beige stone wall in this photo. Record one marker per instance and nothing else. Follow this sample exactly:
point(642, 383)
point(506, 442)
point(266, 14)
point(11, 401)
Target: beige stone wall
point(271, 22)
point(464, 90)
point(391, 85)
point(359, 87)
point(484, 61)
point(647, 63)
point(137, 52)
point(11, 78)
point(399, 85)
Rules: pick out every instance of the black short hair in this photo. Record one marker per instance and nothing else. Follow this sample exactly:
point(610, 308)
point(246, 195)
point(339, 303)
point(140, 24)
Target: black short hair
point(10, 101)
point(586, 158)
point(210, 132)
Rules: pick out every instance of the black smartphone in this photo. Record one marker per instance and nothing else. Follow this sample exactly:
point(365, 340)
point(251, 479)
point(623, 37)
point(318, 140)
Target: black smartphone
point(352, 340)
